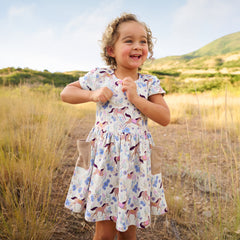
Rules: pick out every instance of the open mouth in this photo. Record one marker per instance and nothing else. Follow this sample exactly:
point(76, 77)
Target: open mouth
point(135, 56)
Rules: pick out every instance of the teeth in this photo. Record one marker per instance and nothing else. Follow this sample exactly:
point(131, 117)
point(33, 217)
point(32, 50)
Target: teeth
point(138, 56)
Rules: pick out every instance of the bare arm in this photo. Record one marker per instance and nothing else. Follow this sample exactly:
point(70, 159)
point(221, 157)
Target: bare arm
point(154, 108)
point(74, 94)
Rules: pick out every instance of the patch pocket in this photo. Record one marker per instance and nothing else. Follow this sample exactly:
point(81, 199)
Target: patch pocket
point(155, 160)
point(84, 154)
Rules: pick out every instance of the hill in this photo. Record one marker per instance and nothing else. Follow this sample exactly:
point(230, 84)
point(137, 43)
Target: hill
point(211, 55)
point(226, 44)
point(213, 66)
point(14, 76)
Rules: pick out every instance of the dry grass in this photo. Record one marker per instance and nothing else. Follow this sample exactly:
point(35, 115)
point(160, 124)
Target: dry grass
point(201, 162)
point(201, 167)
point(33, 126)
point(216, 112)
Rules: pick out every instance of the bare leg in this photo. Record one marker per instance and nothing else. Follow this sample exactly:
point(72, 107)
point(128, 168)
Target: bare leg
point(130, 234)
point(105, 230)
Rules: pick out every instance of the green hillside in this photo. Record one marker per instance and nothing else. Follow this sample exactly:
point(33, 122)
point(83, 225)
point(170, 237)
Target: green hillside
point(214, 54)
point(14, 76)
point(223, 45)
point(212, 67)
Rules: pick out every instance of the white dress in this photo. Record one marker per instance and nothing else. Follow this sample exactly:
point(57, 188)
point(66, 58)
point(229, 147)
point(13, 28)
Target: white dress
point(118, 185)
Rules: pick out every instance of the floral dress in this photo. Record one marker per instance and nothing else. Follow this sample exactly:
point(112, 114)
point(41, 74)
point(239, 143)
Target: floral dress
point(118, 185)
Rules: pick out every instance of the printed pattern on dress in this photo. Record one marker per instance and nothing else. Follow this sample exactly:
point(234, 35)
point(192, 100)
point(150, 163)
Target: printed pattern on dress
point(118, 185)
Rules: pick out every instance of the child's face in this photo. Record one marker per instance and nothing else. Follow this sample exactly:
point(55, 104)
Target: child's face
point(131, 48)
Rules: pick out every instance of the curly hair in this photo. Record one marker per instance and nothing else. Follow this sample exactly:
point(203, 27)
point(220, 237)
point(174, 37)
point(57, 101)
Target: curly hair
point(111, 34)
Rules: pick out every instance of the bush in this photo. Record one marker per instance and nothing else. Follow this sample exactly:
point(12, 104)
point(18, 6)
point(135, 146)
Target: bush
point(12, 76)
point(219, 62)
point(234, 79)
point(163, 73)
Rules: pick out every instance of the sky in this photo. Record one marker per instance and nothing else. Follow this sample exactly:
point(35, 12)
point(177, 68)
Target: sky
point(58, 36)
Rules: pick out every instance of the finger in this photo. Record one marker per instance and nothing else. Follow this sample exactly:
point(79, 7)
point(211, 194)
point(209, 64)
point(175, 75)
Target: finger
point(100, 99)
point(105, 97)
point(106, 90)
point(103, 100)
point(124, 88)
point(125, 82)
point(108, 94)
point(125, 85)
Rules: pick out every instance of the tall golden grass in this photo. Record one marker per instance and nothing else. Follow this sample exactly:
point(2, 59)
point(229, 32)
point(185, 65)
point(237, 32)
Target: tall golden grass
point(32, 143)
point(216, 112)
point(204, 194)
point(34, 125)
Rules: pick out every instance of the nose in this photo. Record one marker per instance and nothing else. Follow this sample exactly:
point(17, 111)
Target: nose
point(136, 46)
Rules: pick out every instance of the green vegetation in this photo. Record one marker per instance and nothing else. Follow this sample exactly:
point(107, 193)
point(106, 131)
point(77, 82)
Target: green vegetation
point(176, 82)
point(231, 64)
point(14, 76)
point(166, 73)
point(216, 67)
point(223, 45)
point(172, 80)
point(214, 54)
point(204, 62)
point(213, 67)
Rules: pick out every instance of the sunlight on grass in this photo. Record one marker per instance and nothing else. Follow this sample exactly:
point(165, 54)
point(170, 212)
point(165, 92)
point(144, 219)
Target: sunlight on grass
point(206, 160)
point(216, 112)
point(201, 165)
point(33, 126)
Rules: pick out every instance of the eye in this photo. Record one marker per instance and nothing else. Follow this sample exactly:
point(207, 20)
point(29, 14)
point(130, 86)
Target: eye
point(128, 41)
point(143, 41)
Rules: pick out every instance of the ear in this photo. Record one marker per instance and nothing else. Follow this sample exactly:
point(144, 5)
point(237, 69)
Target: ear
point(110, 51)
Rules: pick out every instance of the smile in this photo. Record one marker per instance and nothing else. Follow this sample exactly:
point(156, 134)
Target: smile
point(136, 56)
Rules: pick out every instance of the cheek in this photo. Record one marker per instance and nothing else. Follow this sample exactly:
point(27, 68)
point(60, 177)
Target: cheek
point(145, 52)
point(126, 51)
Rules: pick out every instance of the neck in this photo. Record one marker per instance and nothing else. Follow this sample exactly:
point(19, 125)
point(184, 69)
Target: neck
point(122, 73)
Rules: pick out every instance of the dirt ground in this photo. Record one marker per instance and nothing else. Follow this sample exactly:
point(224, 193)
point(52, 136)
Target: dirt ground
point(174, 140)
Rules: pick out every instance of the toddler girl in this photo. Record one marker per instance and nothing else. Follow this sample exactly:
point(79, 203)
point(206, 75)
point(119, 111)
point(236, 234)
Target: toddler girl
point(118, 191)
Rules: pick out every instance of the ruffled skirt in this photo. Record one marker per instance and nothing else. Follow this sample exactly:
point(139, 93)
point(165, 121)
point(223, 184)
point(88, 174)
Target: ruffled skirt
point(118, 185)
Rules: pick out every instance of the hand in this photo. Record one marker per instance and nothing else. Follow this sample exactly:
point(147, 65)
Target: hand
point(102, 95)
point(129, 86)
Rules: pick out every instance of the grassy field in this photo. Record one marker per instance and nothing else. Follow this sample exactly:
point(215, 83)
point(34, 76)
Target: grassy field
point(32, 142)
point(202, 164)
point(201, 161)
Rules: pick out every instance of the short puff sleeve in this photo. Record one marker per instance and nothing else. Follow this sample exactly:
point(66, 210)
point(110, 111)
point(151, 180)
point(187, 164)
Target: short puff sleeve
point(88, 81)
point(154, 87)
